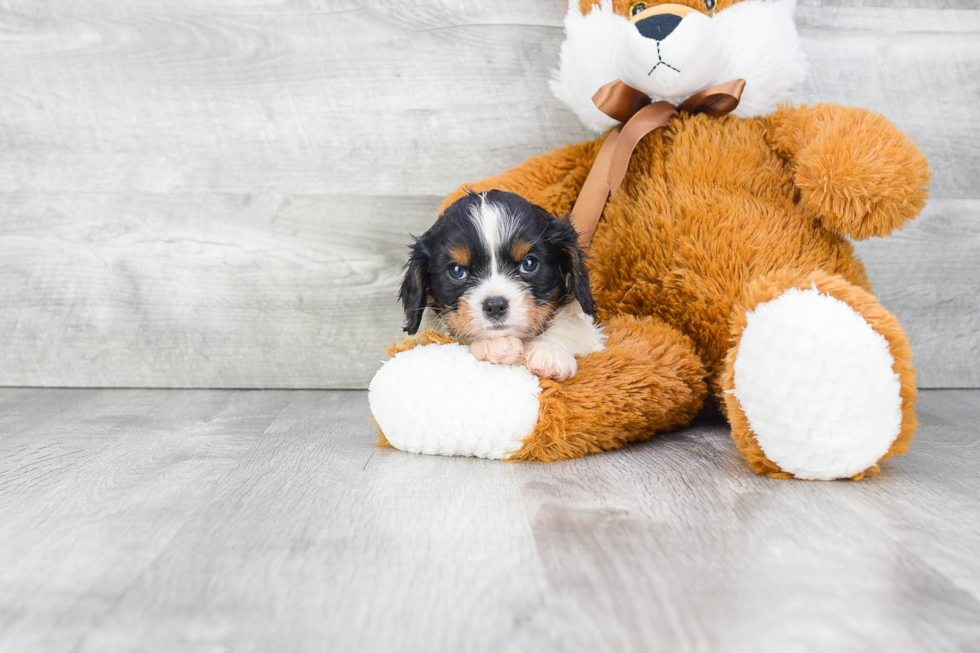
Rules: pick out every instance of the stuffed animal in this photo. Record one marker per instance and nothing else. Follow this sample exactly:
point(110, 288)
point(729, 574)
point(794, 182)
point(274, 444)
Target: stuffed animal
point(720, 260)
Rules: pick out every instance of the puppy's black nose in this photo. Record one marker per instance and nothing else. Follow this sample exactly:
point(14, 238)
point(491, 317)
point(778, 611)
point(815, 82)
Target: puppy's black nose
point(658, 27)
point(495, 308)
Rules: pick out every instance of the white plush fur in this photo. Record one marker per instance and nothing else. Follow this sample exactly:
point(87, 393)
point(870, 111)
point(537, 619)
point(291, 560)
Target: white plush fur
point(767, 52)
point(816, 383)
point(755, 40)
point(588, 61)
point(438, 399)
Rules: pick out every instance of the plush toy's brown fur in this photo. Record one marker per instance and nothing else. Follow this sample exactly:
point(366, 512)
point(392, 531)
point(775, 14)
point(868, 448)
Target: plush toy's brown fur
point(710, 207)
point(714, 216)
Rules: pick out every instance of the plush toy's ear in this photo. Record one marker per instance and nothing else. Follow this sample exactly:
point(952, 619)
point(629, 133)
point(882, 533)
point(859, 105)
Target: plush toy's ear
point(414, 293)
point(573, 263)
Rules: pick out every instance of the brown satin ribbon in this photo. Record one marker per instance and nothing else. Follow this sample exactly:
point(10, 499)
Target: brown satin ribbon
point(640, 117)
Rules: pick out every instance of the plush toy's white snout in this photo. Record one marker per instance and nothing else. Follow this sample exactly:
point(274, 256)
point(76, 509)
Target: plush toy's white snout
point(672, 56)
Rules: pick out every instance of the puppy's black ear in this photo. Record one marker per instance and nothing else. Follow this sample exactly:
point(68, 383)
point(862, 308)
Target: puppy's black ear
point(573, 264)
point(414, 293)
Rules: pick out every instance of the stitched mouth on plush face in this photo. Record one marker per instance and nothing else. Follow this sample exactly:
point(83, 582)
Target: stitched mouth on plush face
point(661, 62)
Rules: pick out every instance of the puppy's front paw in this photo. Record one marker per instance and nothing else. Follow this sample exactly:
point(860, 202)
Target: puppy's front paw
point(549, 361)
point(502, 351)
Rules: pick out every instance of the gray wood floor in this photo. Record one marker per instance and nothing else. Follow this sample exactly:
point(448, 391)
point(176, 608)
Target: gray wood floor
point(139, 520)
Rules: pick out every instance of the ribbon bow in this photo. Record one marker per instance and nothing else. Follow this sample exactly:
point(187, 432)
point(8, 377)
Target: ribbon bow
point(639, 117)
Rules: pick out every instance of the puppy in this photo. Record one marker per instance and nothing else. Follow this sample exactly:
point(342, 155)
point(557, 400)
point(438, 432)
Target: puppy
point(507, 278)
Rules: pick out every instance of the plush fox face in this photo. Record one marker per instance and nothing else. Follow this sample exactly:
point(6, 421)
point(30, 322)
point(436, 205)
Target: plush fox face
point(672, 50)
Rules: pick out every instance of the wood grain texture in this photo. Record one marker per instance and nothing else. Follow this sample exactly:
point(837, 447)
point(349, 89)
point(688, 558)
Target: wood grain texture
point(149, 520)
point(233, 290)
point(218, 194)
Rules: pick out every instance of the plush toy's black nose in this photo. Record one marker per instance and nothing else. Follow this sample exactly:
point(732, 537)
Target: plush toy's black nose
point(658, 27)
point(495, 308)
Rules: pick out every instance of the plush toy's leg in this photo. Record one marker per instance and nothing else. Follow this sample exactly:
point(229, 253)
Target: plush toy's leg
point(439, 399)
point(647, 380)
point(819, 383)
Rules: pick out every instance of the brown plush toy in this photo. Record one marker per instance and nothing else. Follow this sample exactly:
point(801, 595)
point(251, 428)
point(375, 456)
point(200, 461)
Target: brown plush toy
point(721, 264)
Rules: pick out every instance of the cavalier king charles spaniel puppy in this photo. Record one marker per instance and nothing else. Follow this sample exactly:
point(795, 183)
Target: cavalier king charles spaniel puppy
point(507, 278)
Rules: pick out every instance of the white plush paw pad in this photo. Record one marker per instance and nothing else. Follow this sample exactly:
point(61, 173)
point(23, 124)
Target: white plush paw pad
point(439, 399)
point(816, 383)
point(550, 362)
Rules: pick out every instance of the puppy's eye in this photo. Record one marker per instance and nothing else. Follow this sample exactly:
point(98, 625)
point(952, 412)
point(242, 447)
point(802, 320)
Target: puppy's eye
point(457, 272)
point(709, 4)
point(529, 265)
point(637, 7)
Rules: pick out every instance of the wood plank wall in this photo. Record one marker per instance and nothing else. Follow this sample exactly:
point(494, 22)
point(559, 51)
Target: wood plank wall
point(217, 193)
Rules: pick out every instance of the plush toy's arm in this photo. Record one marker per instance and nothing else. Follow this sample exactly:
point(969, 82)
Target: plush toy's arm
point(853, 168)
point(552, 180)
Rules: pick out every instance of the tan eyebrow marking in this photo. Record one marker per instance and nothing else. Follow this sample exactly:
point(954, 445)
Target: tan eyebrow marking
point(460, 254)
point(520, 250)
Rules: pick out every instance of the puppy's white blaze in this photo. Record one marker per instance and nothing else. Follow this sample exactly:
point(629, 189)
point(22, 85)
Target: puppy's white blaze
point(494, 226)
